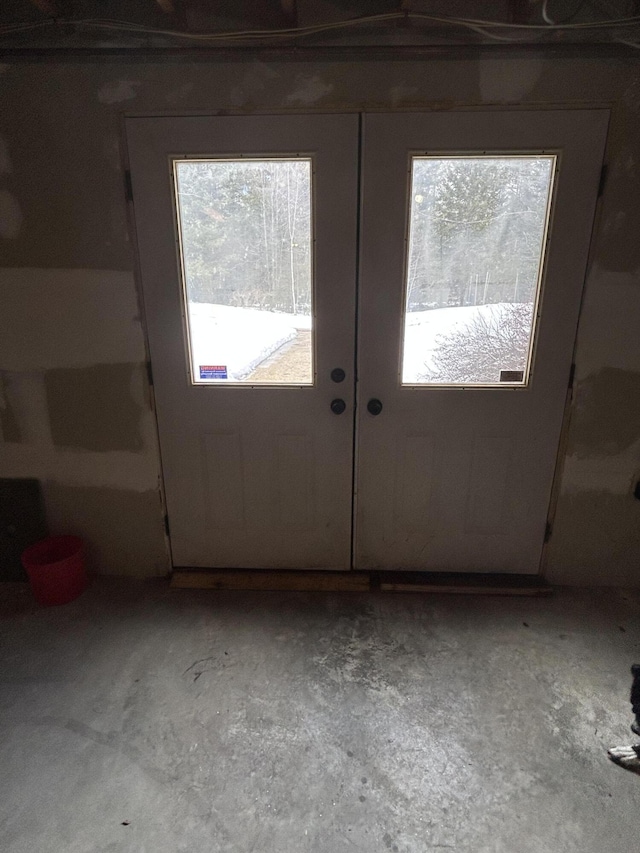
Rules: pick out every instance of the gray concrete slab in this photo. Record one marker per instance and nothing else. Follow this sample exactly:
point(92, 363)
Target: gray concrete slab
point(295, 722)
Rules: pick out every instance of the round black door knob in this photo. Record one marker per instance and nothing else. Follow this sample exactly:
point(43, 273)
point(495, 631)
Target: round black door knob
point(338, 374)
point(374, 407)
point(338, 406)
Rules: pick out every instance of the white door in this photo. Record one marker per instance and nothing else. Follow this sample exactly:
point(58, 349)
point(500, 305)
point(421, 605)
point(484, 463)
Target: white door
point(246, 228)
point(441, 445)
point(474, 242)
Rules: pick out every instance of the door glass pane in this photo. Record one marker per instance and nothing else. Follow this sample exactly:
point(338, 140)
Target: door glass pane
point(246, 253)
point(476, 244)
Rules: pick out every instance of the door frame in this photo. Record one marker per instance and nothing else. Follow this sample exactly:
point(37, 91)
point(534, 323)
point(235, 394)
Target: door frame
point(426, 108)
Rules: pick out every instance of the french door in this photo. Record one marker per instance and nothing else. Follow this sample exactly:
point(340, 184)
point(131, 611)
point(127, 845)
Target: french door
point(361, 331)
point(257, 471)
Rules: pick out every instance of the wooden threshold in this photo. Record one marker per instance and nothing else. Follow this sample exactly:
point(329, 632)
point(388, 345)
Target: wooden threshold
point(269, 579)
point(358, 581)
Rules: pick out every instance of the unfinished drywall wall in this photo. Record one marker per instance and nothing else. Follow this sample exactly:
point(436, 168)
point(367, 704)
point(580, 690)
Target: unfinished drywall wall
point(120, 526)
point(69, 300)
point(94, 407)
point(75, 411)
point(9, 426)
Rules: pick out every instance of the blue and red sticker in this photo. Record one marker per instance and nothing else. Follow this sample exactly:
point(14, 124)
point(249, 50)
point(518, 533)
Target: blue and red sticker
point(213, 371)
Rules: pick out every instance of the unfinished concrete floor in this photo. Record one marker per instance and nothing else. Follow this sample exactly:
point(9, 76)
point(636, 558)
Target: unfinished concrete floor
point(143, 719)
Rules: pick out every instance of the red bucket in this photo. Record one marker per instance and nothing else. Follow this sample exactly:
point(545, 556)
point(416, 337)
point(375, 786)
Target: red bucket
point(56, 569)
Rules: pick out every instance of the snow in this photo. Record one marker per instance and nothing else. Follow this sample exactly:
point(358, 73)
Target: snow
point(298, 321)
point(242, 338)
point(422, 329)
point(239, 339)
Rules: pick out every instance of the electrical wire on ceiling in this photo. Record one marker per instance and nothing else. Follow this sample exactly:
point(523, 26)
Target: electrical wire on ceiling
point(485, 28)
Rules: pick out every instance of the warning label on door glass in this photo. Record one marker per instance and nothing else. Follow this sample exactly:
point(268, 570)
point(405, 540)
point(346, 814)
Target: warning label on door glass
point(213, 371)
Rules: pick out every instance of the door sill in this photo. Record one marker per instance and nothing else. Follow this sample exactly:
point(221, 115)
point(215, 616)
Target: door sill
point(267, 580)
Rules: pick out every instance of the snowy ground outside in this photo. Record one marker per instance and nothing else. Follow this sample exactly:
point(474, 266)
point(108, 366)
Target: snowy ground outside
point(423, 328)
point(238, 339)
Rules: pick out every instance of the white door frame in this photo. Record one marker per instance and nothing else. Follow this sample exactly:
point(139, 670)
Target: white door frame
point(576, 127)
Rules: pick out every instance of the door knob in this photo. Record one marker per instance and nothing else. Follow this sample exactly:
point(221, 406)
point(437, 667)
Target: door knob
point(338, 406)
point(374, 407)
point(338, 374)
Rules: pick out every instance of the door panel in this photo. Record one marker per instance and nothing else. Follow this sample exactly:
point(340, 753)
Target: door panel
point(256, 475)
point(456, 478)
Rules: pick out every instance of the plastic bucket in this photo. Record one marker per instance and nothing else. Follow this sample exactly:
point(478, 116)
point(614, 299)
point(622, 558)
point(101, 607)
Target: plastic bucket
point(56, 569)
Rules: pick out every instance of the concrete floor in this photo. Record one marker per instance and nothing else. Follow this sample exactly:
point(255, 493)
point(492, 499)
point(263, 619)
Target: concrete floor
point(295, 722)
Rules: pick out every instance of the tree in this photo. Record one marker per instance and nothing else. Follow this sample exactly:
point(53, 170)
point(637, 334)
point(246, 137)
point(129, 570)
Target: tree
point(477, 225)
point(246, 232)
point(495, 340)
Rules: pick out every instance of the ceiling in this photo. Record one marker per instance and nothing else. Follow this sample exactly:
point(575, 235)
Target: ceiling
point(188, 26)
